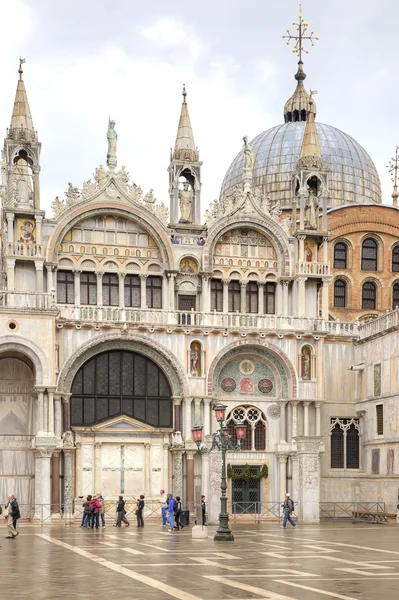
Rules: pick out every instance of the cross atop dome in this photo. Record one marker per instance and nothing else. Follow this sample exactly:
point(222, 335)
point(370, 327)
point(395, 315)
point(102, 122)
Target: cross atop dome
point(300, 37)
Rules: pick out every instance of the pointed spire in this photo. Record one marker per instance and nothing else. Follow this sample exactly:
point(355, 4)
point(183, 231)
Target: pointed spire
point(185, 148)
point(21, 119)
point(310, 156)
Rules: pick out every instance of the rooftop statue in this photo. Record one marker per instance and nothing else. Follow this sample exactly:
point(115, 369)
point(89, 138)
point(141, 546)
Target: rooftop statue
point(248, 156)
point(112, 138)
point(186, 201)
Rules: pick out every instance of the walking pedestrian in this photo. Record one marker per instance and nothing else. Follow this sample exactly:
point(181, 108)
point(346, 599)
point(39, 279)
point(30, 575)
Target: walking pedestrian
point(13, 514)
point(203, 506)
point(121, 513)
point(86, 517)
point(288, 508)
point(178, 510)
point(95, 507)
point(163, 501)
point(171, 512)
point(139, 512)
point(102, 509)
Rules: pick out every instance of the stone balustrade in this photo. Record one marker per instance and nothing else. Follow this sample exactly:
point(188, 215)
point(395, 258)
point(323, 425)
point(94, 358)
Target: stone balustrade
point(380, 324)
point(37, 300)
point(19, 249)
point(312, 268)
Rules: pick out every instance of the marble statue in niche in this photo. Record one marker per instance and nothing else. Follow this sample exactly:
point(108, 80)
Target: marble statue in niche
point(311, 211)
point(306, 363)
point(195, 359)
point(186, 202)
point(390, 461)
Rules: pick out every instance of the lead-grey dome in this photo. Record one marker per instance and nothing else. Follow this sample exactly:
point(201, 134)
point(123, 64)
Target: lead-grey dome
point(353, 177)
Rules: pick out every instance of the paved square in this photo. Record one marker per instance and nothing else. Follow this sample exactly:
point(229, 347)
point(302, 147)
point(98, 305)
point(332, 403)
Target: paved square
point(309, 563)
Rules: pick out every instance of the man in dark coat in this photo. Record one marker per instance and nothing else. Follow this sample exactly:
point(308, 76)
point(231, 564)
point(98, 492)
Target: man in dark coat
point(13, 516)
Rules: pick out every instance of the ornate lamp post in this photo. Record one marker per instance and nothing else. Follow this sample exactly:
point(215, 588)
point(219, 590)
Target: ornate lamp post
point(221, 441)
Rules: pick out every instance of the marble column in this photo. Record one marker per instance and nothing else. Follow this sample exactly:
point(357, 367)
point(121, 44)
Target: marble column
point(55, 482)
point(77, 289)
point(205, 475)
point(143, 290)
point(207, 417)
point(166, 467)
point(318, 418)
point(97, 467)
point(122, 290)
point(50, 396)
point(306, 405)
point(285, 310)
point(190, 479)
point(301, 283)
point(99, 288)
point(43, 482)
point(324, 298)
point(36, 188)
point(279, 299)
point(10, 227)
point(65, 412)
point(282, 462)
point(39, 275)
point(294, 427)
point(283, 422)
point(39, 221)
point(147, 469)
point(178, 473)
point(225, 295)
point(308, 478)
point(50, 284)
point(79, 470)
point(171, 294)
point(68, 484)
point(177, 409)
point(197, 411)
point(205, 294)
point(40, 410)
point(243, 307)
point(57, 416)
point(187, 418)
point(261, 297)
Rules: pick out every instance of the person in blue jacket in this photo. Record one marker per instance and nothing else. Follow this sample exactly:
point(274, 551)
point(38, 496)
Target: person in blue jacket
point(171, 512)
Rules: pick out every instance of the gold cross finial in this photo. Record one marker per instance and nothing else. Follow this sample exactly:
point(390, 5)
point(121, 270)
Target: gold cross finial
point(393, 167)
point(301, 35)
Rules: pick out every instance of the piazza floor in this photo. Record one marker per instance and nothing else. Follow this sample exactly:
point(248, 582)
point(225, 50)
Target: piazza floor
point(309, 563)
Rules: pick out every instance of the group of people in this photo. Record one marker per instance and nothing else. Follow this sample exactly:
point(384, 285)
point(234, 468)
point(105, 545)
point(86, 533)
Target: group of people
point(12, 514)
point(171, 511)
point(93, 509)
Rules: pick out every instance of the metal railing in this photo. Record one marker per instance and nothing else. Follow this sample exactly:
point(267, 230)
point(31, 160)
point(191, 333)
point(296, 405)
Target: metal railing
point(257, 511)
point(354, 511)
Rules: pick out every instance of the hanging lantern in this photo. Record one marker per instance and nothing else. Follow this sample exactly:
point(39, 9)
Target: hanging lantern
point(241, 431)
point(196, 432)
point(220, 412)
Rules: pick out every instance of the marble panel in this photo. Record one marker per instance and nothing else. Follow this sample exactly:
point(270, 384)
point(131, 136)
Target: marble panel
point(111, 469)
point(134, 469)
point(156, 470)
point(88, 469)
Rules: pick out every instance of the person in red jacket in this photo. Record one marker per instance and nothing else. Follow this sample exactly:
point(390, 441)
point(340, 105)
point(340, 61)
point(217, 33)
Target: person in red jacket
point(95, 507)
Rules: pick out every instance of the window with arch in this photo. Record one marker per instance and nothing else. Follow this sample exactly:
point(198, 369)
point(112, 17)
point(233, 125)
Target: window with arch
point(217, 295)
point(255, 422)
point(121, 383)
point(340, 256)
point(132, 289)
point(339, 293)
point(110, 289)
point(369, 255)
point(234, 296)
point(270, 299)
point(344, 443)
point(154, 292)
point(395, 296)
point(395, 259)
point(369, 295)
point(88, 288)
point(252, 297)
point(65, 287)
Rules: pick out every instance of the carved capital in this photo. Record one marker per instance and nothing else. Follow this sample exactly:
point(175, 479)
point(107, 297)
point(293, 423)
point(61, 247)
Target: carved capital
point(226, 281)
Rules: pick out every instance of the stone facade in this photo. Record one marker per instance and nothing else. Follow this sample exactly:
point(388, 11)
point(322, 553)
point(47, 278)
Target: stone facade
point(105, 300)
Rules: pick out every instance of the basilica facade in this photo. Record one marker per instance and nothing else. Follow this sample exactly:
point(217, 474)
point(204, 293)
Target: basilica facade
point(124, 321)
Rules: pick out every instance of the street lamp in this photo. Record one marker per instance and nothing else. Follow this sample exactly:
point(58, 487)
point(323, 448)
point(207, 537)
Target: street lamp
point(221, 440)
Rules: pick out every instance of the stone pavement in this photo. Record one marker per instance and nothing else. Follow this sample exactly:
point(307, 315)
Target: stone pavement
point(309, 563)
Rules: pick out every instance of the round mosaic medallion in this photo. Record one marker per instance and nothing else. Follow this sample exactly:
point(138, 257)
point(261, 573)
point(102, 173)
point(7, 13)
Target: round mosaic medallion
point(265, 386)
point(274, 411)
point(247, 367)
point(228, 384)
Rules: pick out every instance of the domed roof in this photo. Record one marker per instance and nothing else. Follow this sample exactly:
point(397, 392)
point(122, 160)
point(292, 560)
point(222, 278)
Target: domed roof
point(353, 177)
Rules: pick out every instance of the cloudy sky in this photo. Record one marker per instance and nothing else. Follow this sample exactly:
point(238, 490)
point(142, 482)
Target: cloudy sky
point(87, 59)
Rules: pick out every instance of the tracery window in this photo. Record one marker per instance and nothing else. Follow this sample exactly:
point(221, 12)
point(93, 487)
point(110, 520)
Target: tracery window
point(395, 259)
point(88, 288)
point(255, 422)
point(110, 289)
point(234, 296)
point(132, 289)
point(252, 297)
point(369, 295)
point(345, 450)
point(340, 256)
point(270, 298)
point(395, 296)
point(216, 295)
point(65, 287)
point(340, 293)
point(154, 292)
point(369, 255)
point(120, 382)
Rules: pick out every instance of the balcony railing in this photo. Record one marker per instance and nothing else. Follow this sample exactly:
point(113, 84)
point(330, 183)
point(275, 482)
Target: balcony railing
point(379, 324)
point(312, 268)
point(26, 250)
point(40, 300)
point(212, 320)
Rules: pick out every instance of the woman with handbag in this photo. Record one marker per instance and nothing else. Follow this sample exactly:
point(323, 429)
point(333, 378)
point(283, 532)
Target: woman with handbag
point(12, 514)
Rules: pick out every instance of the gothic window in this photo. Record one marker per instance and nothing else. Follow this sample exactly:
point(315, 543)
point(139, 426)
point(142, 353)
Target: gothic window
point(369, 255)
point(379, 412)
point(340, 256)
point(216, 295)
point(234, 296)
point(252, 297)
point(339, 293)
point(395, 296)
point(132, 291)
point(395, 259)
point(255, 422)
point(154, 292)
point(121, 383)
point(88, 288)
point(369, 295)
point(270, 299)
point(110, 289)
point(65, 287)
point(345, 444)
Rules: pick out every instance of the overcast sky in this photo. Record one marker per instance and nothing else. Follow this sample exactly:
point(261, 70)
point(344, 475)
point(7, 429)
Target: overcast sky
point(87, 59)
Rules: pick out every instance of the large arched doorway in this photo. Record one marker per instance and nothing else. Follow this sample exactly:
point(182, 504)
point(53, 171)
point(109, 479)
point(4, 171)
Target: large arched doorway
point(121, 383)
